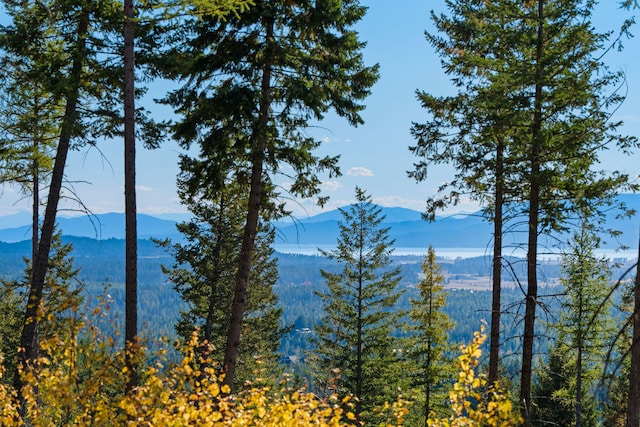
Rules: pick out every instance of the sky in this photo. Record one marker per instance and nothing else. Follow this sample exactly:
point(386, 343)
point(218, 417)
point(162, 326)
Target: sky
point(374, 156)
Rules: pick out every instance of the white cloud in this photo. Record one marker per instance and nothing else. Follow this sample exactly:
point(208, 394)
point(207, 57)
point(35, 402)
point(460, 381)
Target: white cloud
point(8, 189)
point(331, 139)
point(158, 210)
point(359, 171)
point(397, 201)
point(466, 205)
point(286, 186)
point(331, 186)
point(143, 188)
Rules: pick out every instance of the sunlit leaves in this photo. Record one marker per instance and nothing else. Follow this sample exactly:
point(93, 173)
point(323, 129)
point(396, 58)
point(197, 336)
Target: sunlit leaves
point(473, 401)
point(78, 385)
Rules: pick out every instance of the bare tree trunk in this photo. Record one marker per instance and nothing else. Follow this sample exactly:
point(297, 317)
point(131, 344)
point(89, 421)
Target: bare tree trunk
point(530, 311)
point(427, 394)
point(35, 220)
point(579, 386)
point(251, 223)
point(494, 344)
point(35, 201)
point(633, 403)
point(215, 280)
point(131, 235)
point(360, 332)
point(28, 341)
point(534, 216)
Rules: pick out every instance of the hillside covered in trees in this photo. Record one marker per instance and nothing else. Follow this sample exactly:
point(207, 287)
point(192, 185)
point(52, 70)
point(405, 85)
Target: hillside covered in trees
point(354, 335)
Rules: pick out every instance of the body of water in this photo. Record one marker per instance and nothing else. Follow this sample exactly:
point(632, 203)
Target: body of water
point(453, 253)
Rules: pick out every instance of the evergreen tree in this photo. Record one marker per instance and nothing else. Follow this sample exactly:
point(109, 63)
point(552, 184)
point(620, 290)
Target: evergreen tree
point(68, 50)
point(355, 338)
point(554, 391)
point(427, 349)
point(204, 275)
point(539, 64)
point(472, 130)
point(218, 8)
point(584, 327)
point(61, 299)
point(254, 81)
point(62, 47)
point(27, 136)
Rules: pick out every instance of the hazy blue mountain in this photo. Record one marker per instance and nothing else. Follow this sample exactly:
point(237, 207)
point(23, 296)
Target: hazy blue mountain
point(15, 220)
point(391, 215)
point(406, 226)
point(102, 226)
point(457, 231)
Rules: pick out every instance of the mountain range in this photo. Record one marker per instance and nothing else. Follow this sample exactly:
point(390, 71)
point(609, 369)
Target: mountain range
point(99, 227)
point(406, 227)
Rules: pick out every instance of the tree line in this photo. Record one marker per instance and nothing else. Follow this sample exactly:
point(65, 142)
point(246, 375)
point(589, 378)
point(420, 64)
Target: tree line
point(525, 131)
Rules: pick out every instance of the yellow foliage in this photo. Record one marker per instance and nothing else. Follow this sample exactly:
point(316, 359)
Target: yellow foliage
point(79, 384)
point(472, 403)
point(9, 415)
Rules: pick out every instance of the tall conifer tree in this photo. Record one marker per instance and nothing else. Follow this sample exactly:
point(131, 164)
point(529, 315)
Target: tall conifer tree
point(355, 335)
point(427, 346)
point(253, 84)
point(204, 274)
point(69, 50)
point(585, 328)
point(538, 63)
point(66, 31)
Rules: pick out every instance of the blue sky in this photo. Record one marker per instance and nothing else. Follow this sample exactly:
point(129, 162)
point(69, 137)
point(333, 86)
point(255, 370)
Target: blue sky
point(374, 156)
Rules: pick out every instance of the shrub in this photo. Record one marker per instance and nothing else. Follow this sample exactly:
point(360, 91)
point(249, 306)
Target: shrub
point(472, 402)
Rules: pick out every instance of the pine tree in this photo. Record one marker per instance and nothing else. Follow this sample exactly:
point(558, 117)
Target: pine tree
point(427, 348)
point(61, 298)
point(533, 83)
point(68, 51)
point(355, 337)
point(219, 8)
point(27, 137)
point(585, 327)
point(253, 84)
point(472, 130)
point(554, 392)
point(63, 67)
point(204, 275)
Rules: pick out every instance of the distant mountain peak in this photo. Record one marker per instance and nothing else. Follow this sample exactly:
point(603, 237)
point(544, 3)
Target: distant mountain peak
point(109, 225)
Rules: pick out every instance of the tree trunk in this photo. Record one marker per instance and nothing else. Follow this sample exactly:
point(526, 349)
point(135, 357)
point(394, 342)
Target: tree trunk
point(359, 331)
point(427, 394)
point(633, 404)
point(251, 223)
point(530, 310)
point(494, 345)
point(131, 235)
point(579, 386)
point(35, 201)
point(532, 249)
point(217, 250)
point(28, 341)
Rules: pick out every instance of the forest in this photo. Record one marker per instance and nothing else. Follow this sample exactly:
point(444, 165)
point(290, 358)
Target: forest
point(216, 328)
